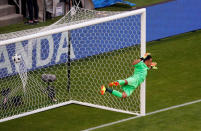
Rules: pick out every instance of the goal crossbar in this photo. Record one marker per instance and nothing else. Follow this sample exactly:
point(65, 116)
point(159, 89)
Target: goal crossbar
point(71, 27)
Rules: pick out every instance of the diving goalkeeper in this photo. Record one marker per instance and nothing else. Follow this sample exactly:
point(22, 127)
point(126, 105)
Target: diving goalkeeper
point(130, 84)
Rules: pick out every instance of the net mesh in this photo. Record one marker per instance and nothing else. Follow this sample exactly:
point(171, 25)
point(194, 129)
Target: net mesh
point(99, 54)
point(75, 16)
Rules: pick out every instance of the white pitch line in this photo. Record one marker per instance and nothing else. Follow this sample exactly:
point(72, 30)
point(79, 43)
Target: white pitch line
point(150, 113)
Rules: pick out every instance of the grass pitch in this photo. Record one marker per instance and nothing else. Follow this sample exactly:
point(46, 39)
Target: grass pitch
point(175, 82)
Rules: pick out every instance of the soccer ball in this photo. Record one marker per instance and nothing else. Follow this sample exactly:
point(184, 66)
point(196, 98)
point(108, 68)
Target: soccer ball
point(17, 58)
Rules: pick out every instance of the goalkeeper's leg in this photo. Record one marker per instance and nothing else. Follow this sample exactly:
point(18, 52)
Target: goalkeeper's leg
point(127, 91)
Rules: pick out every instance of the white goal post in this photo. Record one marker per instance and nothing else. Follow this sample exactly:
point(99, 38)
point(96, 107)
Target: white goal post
point(143, 51)
point(90, 65)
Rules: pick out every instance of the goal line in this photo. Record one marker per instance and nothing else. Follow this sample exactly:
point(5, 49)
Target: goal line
point(147, 114)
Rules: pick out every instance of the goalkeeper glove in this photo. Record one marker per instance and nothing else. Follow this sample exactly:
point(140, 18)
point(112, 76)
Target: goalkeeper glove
point(153, 65)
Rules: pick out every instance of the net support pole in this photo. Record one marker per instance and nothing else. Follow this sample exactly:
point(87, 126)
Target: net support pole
point(143, 51)
point(69, 62)
point(69, 54)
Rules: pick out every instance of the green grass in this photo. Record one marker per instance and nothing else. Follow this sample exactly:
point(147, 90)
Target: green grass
point(178, 75)
point(185, 118)
point(72, 117)
point(175, 82)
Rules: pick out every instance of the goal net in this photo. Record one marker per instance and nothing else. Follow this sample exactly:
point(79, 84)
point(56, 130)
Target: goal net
point(67, 63)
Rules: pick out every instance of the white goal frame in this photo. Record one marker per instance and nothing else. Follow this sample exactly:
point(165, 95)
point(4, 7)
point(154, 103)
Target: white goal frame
point(141, 12)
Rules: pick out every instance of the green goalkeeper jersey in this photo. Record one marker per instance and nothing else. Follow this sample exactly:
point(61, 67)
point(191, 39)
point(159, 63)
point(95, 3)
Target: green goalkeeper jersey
point(140, 73)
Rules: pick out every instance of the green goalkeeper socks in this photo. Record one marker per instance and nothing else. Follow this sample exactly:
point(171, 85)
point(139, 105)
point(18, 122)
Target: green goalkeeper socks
point(114, 92)
point(117, 93)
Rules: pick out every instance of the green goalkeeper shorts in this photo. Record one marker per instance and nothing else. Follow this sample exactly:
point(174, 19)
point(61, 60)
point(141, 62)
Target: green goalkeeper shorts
point(128, 89)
